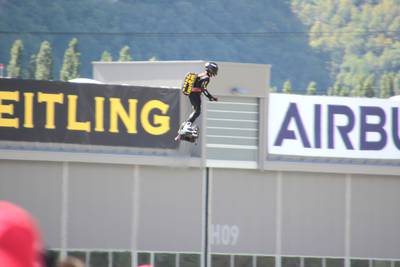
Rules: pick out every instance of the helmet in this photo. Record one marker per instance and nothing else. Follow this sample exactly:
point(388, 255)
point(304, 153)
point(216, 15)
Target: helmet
point(211, 68)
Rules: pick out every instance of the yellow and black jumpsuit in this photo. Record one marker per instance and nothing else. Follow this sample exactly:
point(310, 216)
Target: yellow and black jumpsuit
point(200, 86)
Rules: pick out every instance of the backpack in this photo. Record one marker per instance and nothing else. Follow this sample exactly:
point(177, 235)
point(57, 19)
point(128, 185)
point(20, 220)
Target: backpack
point(188, 83)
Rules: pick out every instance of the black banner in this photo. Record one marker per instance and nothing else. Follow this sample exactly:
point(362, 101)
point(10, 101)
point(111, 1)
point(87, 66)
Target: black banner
point(89, 114)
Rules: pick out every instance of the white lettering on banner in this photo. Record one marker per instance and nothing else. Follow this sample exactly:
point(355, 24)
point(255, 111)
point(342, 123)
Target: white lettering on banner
point(227, 235)
point(340, 127)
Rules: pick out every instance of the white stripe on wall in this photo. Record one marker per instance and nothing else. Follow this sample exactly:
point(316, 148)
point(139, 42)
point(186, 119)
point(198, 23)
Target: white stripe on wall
point(278, 221)
point(347, 245)
point(135, 213)
point(64, 209)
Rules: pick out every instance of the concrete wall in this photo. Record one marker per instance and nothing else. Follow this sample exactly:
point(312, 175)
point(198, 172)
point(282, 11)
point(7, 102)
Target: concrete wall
point(83, 206)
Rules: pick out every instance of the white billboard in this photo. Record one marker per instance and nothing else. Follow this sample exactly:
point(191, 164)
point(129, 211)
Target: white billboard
point(339, 127)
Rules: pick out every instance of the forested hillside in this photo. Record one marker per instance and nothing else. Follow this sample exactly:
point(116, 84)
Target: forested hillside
point(362, 39)
point(340, 47)
point(160, 29)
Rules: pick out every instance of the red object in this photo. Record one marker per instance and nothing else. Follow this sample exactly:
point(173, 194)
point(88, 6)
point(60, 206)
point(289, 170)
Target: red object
point(197, 90)
point(20, 244)
point(1, 65)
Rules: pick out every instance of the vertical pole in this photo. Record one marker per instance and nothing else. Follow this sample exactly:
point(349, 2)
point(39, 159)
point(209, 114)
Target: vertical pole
point(206, 216)
point(152, 258)
point(88, 256)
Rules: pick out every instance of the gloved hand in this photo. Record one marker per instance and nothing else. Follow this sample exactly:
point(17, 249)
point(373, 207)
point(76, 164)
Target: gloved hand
point(213, 98)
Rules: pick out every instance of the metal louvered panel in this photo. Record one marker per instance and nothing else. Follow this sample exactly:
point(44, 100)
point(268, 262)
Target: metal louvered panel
point(232, 129)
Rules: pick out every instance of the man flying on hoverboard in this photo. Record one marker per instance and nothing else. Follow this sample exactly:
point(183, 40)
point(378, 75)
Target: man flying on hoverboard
point(199, 82)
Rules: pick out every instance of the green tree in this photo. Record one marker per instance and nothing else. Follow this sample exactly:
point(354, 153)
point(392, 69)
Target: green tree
point(331, 91)
point(338, 90)
point(32, 67)
point(287, 87)
point(106, 56)
point(386, 85)
point(14, 68)
point(312, 88)
point(71, 64)
point(368, 86)
point(125, 54)
point(44, 62)
point(396, 84)
point(345, 91)
point(358, 85)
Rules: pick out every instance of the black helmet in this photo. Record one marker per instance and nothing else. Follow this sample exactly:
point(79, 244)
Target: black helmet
point(211, 68)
